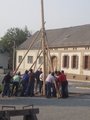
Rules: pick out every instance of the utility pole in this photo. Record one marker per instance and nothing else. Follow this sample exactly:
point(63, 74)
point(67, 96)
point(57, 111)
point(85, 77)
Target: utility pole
point(14, 50)
point(43, 46)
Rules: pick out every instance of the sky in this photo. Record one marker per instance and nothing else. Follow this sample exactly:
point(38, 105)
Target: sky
point(57, 14)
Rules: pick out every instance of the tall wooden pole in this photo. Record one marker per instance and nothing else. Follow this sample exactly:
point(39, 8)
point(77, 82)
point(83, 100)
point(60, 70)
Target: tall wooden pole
point(43, 45)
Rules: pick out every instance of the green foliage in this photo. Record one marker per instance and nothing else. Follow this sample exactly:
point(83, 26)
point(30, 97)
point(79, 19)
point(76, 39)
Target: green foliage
point(14, 34)
point(13, 38)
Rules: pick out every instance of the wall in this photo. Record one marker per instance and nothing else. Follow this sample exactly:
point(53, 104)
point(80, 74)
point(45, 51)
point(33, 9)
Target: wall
point(59, 53)
point(25, 66)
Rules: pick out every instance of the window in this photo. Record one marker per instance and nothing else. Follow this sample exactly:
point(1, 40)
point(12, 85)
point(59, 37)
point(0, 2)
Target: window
point(65, 48)
point(75, 61)
point(30, 59)
point(40, 60)
point(19, 59)
point(66, 61)
point(86, 48)
point(87, 62)
point(74, 48)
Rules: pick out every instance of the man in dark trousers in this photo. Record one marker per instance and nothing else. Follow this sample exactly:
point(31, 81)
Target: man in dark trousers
point(37, 77)
point(30, 88)
point(64, 85)
point(6, 82)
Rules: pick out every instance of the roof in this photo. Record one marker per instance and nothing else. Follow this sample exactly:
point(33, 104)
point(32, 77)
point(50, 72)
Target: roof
point(77, 36)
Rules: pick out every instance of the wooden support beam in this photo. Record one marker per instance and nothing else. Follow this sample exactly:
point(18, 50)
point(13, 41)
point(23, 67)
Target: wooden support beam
point(32, 43)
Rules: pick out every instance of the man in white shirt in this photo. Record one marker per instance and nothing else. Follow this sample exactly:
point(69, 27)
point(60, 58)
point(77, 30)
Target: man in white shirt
point(49, 80)
point(41, 77)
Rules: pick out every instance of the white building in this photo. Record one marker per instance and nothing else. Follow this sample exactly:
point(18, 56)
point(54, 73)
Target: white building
point(69, 49)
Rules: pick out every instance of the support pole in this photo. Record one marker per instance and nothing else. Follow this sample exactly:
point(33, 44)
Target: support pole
point(14, 50)
point(36, 60)
point(49, 56)
point(33, 40)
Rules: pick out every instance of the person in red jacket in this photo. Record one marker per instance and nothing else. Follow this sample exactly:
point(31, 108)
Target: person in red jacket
point(64, 84)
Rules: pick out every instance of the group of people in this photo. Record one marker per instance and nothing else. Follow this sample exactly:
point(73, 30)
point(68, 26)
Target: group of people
point(31, 83)
point(11, 84)
point(21, 85)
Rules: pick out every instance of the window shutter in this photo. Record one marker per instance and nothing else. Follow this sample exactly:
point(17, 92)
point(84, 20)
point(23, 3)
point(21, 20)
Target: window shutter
point(89, 62)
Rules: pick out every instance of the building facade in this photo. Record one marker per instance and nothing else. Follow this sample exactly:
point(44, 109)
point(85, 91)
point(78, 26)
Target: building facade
point(69, 51)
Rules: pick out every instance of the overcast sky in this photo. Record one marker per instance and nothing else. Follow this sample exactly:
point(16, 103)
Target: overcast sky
point(58, 14)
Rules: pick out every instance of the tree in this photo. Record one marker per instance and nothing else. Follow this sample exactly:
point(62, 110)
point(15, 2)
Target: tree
point(13, 35)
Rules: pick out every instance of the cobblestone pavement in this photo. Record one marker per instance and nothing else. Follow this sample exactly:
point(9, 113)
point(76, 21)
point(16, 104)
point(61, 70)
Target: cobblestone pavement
point(76, 107)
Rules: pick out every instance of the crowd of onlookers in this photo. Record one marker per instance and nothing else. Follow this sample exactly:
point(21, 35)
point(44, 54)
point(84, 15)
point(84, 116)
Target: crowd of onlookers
point(31, 84)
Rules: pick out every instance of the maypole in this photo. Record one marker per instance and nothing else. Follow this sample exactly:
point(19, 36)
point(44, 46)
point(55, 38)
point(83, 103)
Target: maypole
point(43, 45)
